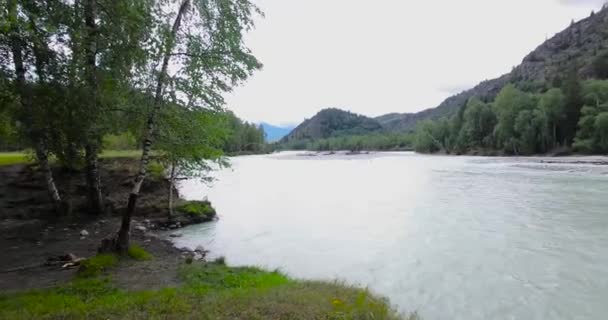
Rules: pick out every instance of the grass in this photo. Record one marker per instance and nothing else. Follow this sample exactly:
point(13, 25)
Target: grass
point(111, 154)
point(138, 253)
point(11, 158)
point(209, 291)
point(96, 265)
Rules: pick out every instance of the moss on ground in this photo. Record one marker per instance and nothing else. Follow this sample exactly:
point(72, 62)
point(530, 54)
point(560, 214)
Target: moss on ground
point(209, 291)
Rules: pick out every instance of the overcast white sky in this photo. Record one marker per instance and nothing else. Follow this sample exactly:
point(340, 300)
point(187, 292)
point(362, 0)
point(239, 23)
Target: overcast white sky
point(381, 56)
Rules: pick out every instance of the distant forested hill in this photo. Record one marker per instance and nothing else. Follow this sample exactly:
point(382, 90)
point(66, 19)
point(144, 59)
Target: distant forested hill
point(331, 123)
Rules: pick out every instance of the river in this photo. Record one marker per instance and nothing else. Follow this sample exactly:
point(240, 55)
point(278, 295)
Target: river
point(448, 237)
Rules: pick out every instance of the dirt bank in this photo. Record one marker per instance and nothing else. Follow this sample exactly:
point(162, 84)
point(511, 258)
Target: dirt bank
point(30, 232)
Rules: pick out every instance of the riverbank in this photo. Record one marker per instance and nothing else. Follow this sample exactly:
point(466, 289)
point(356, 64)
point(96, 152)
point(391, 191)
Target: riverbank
point(167, 284)
point(157, 281)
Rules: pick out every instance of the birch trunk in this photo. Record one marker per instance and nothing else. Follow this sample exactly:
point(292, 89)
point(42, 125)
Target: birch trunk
point(171, 184)
point(122, 242)
point(25, 95)
point(91, 149)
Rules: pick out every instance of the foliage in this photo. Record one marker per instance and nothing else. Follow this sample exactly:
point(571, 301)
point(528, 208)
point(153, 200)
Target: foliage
point(138, 253)
point(198, 209)
point(243, 137)
point(80, 76)
point(96, 265)
point(209, 291)
point(157, 170)
point(591, 136)
point(524, 123)
point(122, 141)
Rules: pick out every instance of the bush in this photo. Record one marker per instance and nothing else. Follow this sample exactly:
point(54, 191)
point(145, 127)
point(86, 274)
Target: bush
point(156, 170)
point(138, 253)
point(198, 210)
point(94, 266)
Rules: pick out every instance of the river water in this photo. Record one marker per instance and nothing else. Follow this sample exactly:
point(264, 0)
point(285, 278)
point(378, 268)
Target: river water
point(448, 237)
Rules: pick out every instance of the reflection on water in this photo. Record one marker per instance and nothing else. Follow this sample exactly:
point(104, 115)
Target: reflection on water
point(451, 237)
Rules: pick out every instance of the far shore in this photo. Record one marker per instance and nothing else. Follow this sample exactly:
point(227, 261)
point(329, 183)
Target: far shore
point(542, 158)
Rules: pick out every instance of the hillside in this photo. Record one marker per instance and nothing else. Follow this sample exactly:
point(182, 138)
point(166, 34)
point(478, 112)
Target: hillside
point(333, 122)
point(575, 47)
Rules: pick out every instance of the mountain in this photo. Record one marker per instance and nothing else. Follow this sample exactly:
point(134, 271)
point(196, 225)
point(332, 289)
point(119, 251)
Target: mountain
point(577, 47)
point(275, 133)
point(333, 122)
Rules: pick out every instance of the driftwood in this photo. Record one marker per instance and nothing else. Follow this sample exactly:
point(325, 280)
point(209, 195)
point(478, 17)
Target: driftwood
point(65, 262)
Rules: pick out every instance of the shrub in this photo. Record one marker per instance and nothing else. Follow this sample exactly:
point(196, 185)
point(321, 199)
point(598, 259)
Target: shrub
point(198, 210)
point(94, 266)
point(156, 170)
point(138, 253)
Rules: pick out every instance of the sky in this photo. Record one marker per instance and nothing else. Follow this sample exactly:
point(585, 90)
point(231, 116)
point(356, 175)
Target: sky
point(382, 56)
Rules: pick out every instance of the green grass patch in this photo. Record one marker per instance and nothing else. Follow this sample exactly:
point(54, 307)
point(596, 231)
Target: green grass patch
point(96, 265)
point(138, 253)
point(210, 291)
point(11, 158)
point(111, 154)
point(198, 209)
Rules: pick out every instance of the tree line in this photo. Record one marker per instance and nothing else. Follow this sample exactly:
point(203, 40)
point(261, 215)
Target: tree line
point(77, 74)
point(366, 142)
point(525, 120)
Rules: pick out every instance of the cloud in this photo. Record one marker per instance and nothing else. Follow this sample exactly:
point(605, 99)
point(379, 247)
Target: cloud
point(597, 3)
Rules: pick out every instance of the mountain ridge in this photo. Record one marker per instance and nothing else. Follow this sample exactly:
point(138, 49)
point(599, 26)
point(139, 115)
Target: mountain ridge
point(573, 47)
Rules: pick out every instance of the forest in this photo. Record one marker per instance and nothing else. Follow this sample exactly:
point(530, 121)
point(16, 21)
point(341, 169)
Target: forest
point(78, 78)
point(570, 115)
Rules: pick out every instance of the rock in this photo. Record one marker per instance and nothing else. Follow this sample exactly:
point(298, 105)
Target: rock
point(197, 256)
point(173, 226)
point(140, 228)
point(200, 249)
point(84, 233)
point(175, 235)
